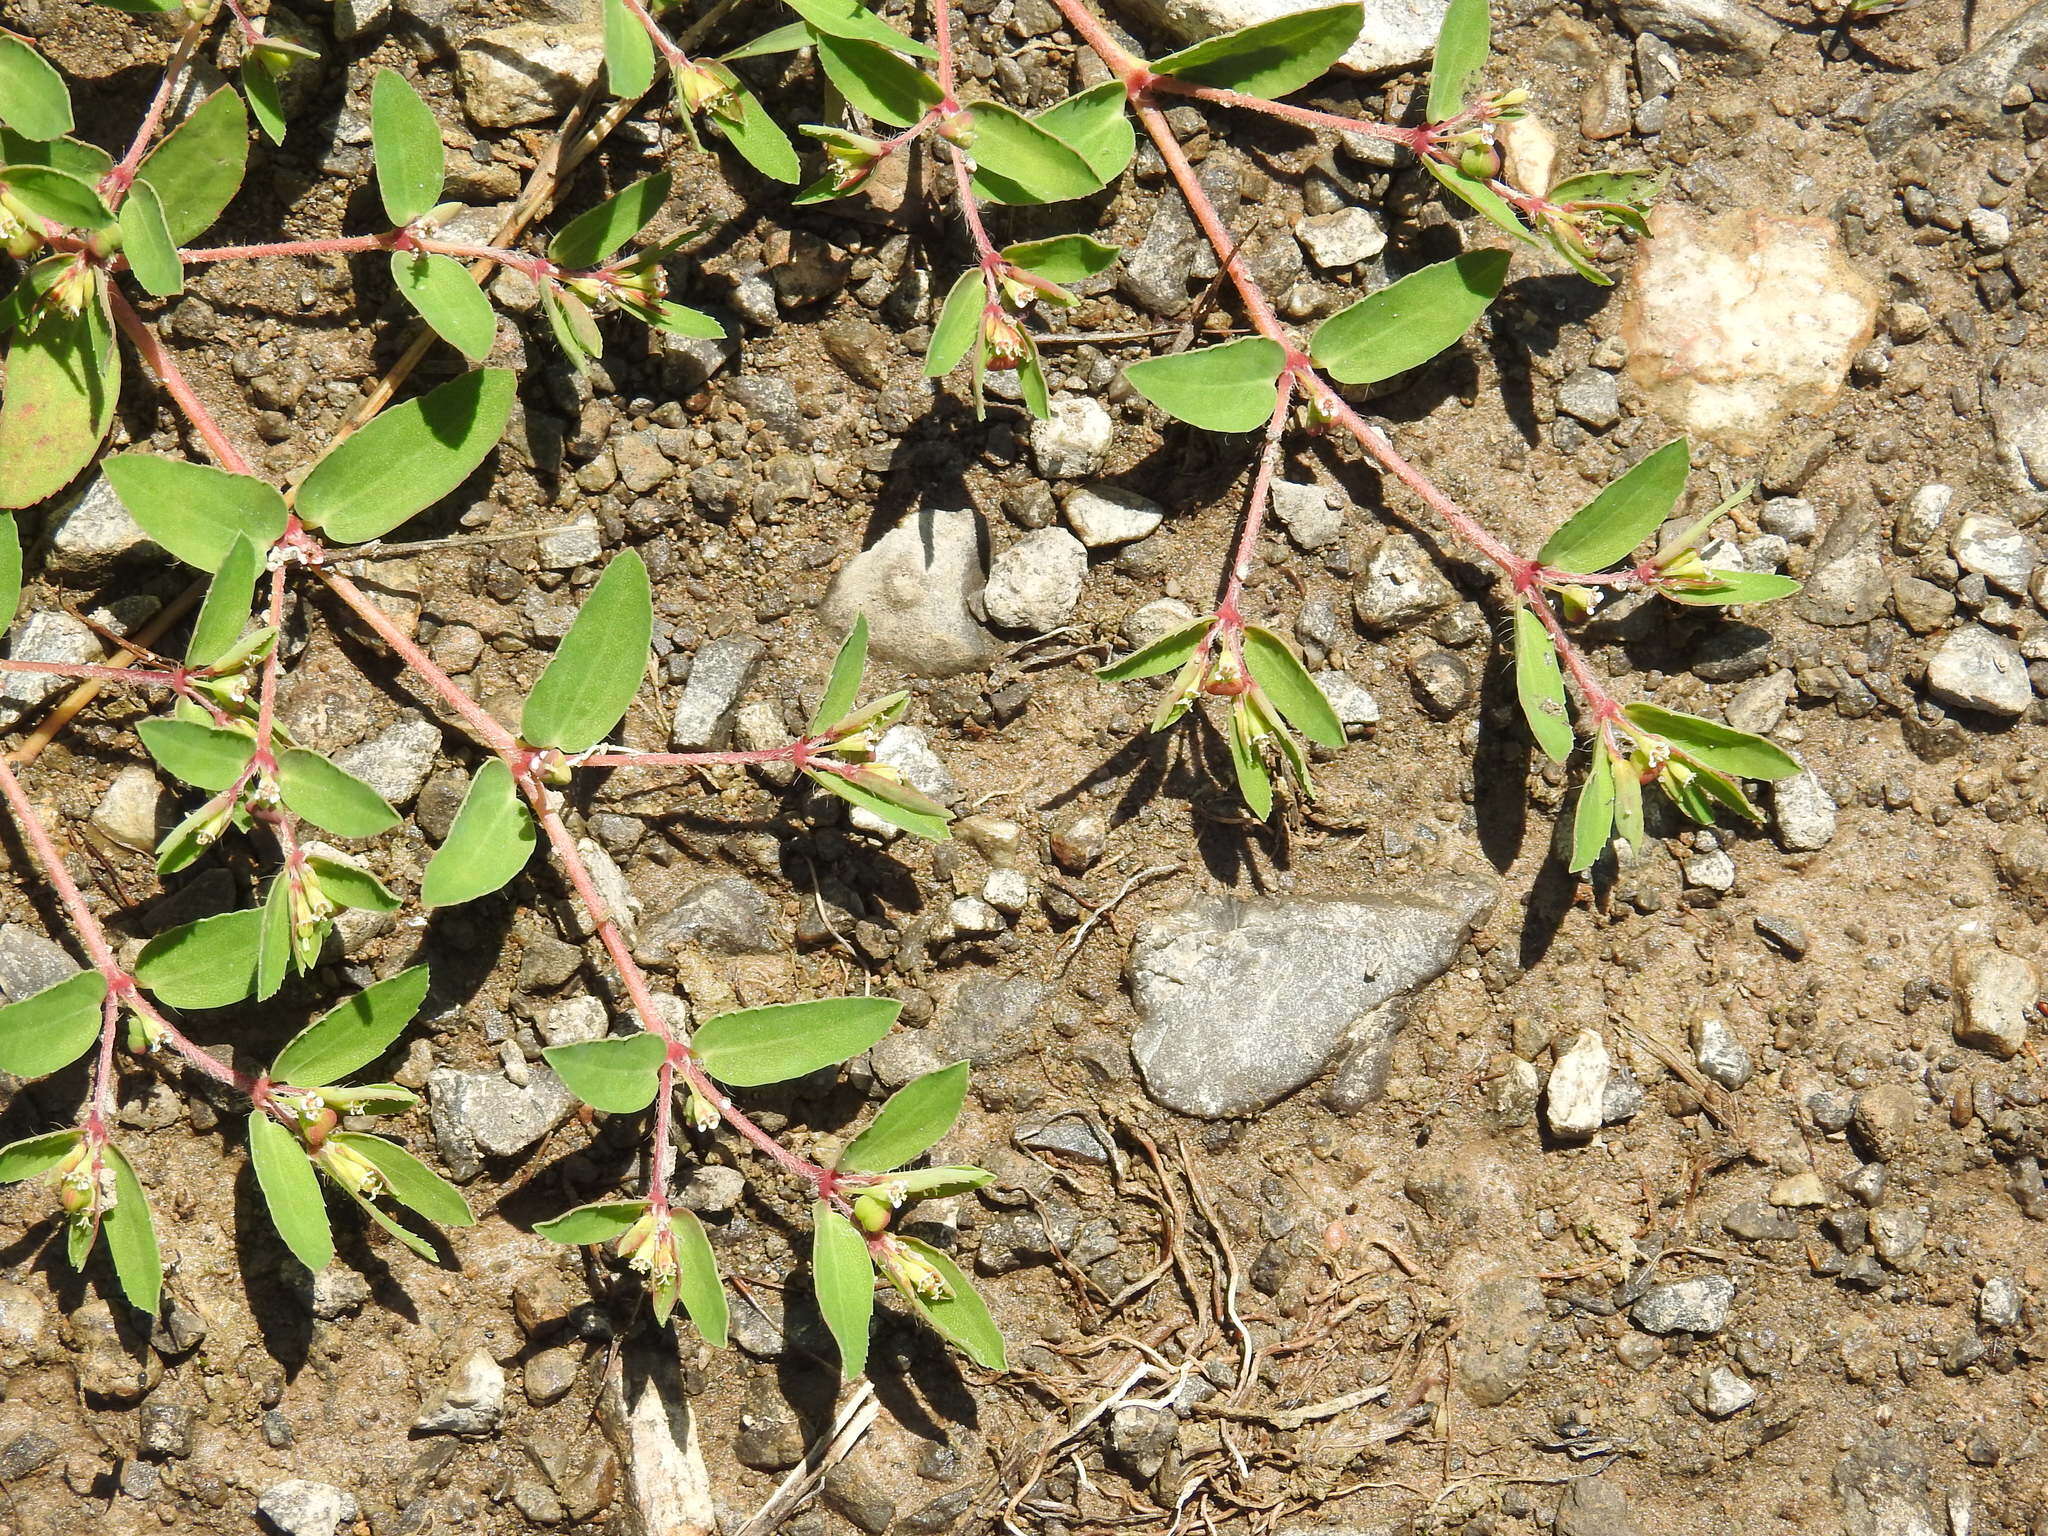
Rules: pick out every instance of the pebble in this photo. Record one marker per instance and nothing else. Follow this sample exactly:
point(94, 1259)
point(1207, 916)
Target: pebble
point(482, 1113)
point(471, 1401)
point(549, 1374)
point(91, 536)
point(1155, 621)
point(1753, 1221)
point(132, 811)
point(1697, 1306)
point(1575, 1101)
point(1007, 890)
point(395, 762)
point(1898, 1236)
point(1243, 1001)
point(43, 636)
point(30, 962)
point(1355, 707)
point(580, 543)
point(1593, 1506)
point(1738, 32)
point(1720, 1393)
point(1922, 518)
point(1502, 1323)
point(1106, 515)
point(1975, 668)
point(1401, 585)
point(1720, 1055)
point(1035, 583)
point(1713, 870)
point(719, 673)
point(711, 1188)
point(1074, 441)
point(1922, 606)
point(525, 73)
point(1998, 1304)
point(1802, 813)
point(727, 916)
point(1307, 514)
point(1343, 238)
point(574, 1021)
point(1886, 1120)
point(1996, 991)
point(299, 1507)
point(1992, 547)
point(1077, 839)
point(1791, 518)
point(915, 584)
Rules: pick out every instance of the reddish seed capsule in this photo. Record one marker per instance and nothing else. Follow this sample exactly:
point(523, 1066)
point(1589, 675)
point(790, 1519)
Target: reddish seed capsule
point(1226, 687)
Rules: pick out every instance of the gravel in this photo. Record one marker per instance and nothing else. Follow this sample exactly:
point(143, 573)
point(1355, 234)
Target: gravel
point(1074, 441)
point(1803, 813)
point(1103, 516)
point(1696, 1306)
point(1575, 1098)
point(916, 584)
point(1995, 995)
point(719, 673)
point(299, 1507)
point(470, 1402)
point(1035, 583)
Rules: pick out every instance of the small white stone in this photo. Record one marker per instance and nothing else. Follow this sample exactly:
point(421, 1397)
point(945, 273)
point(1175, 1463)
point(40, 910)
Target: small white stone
point(574, 1021)
point(1920, 522)
point(1356, 708)
point(1035, 583)
point(1007, 890)
point(1341, 239)
point(1712, 871)
point(1075, 440)
point(1977, 669)
point(1804, 812)
point(1723, 1393)
point(973, 918)
point(131, 809)
point(580, 543)
point(1995, 995)
point(299, 1507)
point(471, 1401)
point(1995, 550)
point(1791, 518)
point(1307, 514)
point(1989, 228)
point(1104, 515)
point(1155, 621)
point(1574, 1105)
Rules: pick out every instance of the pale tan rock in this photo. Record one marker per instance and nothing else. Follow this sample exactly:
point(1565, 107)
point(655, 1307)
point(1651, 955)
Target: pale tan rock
point(1734, 322)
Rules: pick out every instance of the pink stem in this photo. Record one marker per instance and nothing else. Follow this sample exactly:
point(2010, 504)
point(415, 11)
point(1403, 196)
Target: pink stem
point(693, 759)
point(115, 184)
point(141, 677)
point(665, 45)
point(159, 362)
point(1417, 139)
point(1227, 614)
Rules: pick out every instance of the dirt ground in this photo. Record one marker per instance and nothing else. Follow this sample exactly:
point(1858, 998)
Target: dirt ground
point(1879, 1371)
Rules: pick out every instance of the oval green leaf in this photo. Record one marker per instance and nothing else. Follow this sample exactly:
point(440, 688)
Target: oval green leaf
point(198, 167)
point(877, 80)
point(207, 756)
point(896, 803)
point(961, 1315)
point(1272, 58)
point(914, 1120)
point(1095, 125)
point(1254, 782)
point(225, 612)
point(62, 380)
point(131, 1236)
point(331, 797)
point(207, 964)
point(406, 141)
point(353, 1035)
point(843, 1279)
point(291, 1191)
point(842, 685)
point(194, 510)
point(52, 1028)
point(1063, 258)
point(589, 683)
point(628, 53)
point(1288, 687)
point(698, 1285)
point(1229, 388)
point(1728, 589)
point(959, 323)
point(591, 239)
point(448, 299)
point(58, 196)
point(352, 885)
point(1606, 528)
point(620, 1074)
point(146, 241)
point(411, 1182)
point(1021, 161)
point(596, 1223)
point(1714, 744)
point(849, 18)
point(1408, 322)
point(1462, 44)
point(35, 1155)
point(759, 140)
point(1162, 655)
point(33, 98)
point(1593, 821)
point(1540, 687)
point(785, 1040)
point(408, 458)
point(489, 842)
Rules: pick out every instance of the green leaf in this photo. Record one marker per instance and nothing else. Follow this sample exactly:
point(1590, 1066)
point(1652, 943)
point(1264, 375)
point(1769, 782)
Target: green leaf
point(36, 1155)
point(591, 239)
point(619, 1074)
point(898, 804)
point(1606, 528)
point(411, 164)
point(1253, 781)
point(146, 240)
point(10, 571)
point(843, 1279)
point(1719, 789)
point(785, 1040)
point(198, 167)
point(759, 140)
point(266, 101)
point(1593, 822)
point(1540, 686)
point(600, 1222)
point(408, 458)
point(961, 1315)
point(917, 1115)
point(489, 842)
point(959, 323)
point(788, 38)
point(384, 1219)
point(1409, 321)
point(842, 686)
point(1096, 126)
point(291, 1190)
point(54, 1027)
point(194, 510)
point(62, 380)
point(1287, 685)
point(448, 299)
point(225, 613)
point(352, 885)
point(851, 19)
point(1162, 655)
point(590, 681)
point(58, 196)
point(1481, 198)
point(1462, 44)
point(1272, 58)
point(1622, 194)
point(412, 1183)
point(1730, 588)
point(1063, 258)
point(273, 939)
point(676, 319)
point(1628, 805)
point(701, 1292)
point(371, 1099)
point(33, 99)
point(1714, 744)
point(331, 797)
point(131, 1236)
point(574, 326)
point(353, 1035)
point(628, 53)
point(207, 964)
point(1018, 160)
point(1229, 388)
point(882, 84)
point(1031, 382)
point(88, 162)
point(208, 756)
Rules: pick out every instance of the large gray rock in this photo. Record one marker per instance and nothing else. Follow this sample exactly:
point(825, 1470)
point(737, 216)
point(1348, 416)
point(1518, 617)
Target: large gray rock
point(720, 917)
point(1732, 28)
point(1243, 1001)
point(91, 535)
point(1970, 94)
point(1396, 34)
point(1882, 1487)
point(29, 962)
point(1977, 668)
point(485, 1114)
point(525, 73)
point(914, 584)
point(719, 674)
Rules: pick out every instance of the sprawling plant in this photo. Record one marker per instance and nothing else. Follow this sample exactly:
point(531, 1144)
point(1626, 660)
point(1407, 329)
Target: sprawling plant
point(86, 232)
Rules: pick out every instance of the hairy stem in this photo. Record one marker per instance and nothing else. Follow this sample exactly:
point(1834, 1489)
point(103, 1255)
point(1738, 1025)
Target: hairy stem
point(1418, 139)
point(1255, 514)
point(159, 362)
point(115, 184)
